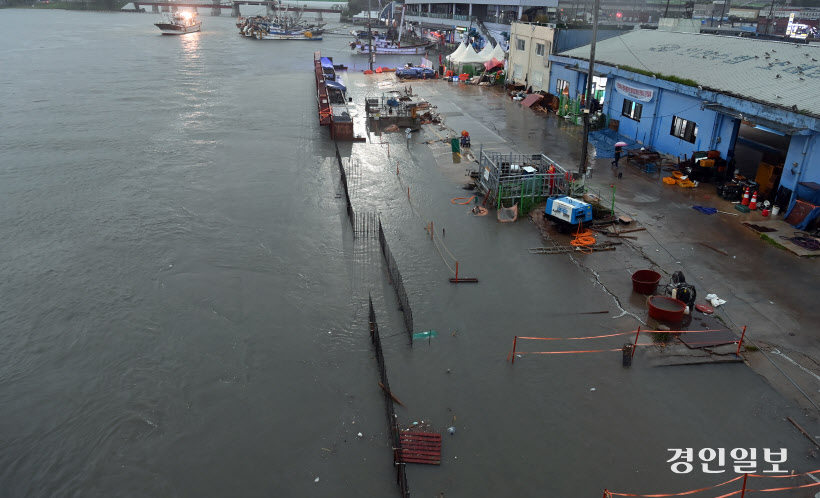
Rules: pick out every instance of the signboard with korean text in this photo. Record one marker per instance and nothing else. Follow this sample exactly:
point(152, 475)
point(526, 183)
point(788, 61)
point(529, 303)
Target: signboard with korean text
point(634, 92)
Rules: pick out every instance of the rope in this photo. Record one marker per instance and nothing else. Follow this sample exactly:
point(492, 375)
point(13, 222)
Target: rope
point(462, 198)
point(583, 239)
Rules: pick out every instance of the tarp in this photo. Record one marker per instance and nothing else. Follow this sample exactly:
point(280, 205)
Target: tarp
point(457, 52)
point(336, 84)
point(326, 62)
point(492, 64)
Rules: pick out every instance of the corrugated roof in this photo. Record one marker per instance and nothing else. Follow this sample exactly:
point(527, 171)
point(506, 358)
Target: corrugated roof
point(772, 72)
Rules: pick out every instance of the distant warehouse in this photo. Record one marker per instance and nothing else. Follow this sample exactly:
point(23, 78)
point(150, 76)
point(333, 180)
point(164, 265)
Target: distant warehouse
point(756, 102)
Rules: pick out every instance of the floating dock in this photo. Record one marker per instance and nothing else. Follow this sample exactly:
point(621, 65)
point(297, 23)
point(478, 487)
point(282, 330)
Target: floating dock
point(333, 112)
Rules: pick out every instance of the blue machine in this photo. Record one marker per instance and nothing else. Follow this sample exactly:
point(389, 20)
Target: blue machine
point(567, 212)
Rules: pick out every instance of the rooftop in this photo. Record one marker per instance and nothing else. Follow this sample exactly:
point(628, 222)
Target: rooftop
point(780, 74)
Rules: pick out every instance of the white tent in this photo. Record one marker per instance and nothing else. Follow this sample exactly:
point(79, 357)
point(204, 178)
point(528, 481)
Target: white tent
point(486, 52)
point(469, 56)
point(457, 52)
point(498, 53)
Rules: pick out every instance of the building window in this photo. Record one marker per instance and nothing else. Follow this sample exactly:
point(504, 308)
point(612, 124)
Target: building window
point(539, 49)
point(537, 80)
point(517, 72)
point(632, 110)
point(685, 129)
point(519, 44)
point(561, 86)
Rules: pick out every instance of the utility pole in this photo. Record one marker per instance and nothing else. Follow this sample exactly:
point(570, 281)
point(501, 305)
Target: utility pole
point(770, 19)
point(585, 141)
point(666, 12)
point(369, 36)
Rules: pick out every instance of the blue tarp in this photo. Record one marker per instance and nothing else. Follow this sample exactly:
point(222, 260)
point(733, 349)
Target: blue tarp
point(326, 62)
point(605, 140)
point(336, 84)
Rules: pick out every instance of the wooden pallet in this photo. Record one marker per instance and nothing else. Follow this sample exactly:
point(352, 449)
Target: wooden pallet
point(419, 447)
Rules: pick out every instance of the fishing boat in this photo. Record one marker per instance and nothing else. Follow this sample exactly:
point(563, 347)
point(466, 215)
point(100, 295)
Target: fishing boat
point(180, 23)
point(382, 45)
point(283, 25)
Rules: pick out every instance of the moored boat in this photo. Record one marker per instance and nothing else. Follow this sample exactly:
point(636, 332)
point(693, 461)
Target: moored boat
point(180, 23)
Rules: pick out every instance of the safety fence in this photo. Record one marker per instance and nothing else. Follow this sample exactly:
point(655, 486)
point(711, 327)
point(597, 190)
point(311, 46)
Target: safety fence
point(351, 216)
point(744, 491)
point(392, 418)
point(628, 349)
point(398, 283)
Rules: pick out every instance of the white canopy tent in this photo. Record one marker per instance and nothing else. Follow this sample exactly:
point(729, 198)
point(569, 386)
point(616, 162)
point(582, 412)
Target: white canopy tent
point(457, 52)
point(486, 52)
point(498, 53)
point(469, 56)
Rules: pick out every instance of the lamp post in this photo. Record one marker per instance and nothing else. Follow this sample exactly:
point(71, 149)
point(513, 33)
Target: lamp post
point(582, 168)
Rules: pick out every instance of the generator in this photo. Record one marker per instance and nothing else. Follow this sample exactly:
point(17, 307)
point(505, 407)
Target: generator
point(567, 213)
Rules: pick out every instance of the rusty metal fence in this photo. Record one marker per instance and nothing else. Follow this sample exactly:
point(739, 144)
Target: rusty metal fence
point(392, 418)
point(398, 284)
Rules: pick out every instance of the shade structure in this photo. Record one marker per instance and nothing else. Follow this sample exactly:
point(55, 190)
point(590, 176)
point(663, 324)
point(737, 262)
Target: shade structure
point(469, 56)
point(498, 53)
point(486, 53)
point(457, 52)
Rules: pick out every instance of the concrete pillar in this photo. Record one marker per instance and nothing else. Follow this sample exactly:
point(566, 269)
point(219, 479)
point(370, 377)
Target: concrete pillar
point(215, 11)
point(470, 11)
point(165, 8)
point(520, 11)
point(429, 8)
point(155, 9)
point(235, 10)
point(454, 9)
point(136, 6)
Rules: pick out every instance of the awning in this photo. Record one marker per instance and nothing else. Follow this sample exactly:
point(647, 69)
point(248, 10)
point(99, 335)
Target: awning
point(755, 121)
point(584, 71)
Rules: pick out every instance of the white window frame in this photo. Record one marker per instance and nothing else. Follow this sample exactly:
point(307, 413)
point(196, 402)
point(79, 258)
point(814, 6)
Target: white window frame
point(520, 44)
point(540, 47)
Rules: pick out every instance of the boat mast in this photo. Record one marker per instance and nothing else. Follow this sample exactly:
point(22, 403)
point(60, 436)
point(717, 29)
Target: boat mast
point(401, 24)
point(369, 37)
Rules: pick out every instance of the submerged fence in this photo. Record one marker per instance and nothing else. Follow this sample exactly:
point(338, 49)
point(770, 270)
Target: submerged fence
point(392, 418)
point(398, 284)
point(363, 224)
point(351, 216)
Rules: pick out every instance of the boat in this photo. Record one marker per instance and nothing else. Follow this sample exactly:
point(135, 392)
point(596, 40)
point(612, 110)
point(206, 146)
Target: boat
point(180, 23)
point(331, 97)
point(281, 26)
point(382, 45)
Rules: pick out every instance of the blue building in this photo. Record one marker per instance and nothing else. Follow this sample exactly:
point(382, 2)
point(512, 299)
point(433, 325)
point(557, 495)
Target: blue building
point(755, 101)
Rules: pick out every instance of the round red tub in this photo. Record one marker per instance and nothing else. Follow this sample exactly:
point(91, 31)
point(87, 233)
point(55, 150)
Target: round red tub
point(645, 281)
point(666, 309)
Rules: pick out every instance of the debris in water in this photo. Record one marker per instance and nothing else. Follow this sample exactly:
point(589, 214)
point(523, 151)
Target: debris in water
point(592, 389)
point(359, 434)
point(451, 430)
point(316, 480)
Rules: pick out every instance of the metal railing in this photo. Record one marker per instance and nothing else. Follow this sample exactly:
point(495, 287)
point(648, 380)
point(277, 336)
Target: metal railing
point(398, 284)
point(392, 418)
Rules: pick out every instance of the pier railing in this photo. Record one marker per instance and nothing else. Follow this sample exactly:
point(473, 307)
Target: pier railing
point(398, 284)
point(392, 418)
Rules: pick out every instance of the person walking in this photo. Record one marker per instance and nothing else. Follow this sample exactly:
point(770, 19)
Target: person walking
point(617, 157)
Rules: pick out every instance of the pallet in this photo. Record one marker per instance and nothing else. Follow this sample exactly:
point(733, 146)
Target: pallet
point(419, 447)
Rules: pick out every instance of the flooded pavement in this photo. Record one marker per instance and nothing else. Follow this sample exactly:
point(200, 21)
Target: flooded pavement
point(565, 424)
point(186, 309)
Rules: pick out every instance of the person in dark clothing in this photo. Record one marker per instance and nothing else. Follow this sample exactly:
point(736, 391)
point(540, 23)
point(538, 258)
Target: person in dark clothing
point(617, 157)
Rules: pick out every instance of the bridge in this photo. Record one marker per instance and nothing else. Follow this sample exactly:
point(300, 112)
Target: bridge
point(216, 6)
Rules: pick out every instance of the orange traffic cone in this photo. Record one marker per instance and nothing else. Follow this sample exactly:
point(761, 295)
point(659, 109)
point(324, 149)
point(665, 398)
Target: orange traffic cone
point(745, 200)
point(753, 203)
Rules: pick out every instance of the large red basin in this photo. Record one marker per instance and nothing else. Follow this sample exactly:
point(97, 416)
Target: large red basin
point(645, 281)
point(666, 309)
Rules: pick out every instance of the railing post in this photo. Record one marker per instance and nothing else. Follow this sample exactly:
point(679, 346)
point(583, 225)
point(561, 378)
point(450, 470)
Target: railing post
point(741, 341)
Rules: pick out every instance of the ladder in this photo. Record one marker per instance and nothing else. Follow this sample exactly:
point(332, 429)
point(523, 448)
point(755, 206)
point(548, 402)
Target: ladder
point(601, 246)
